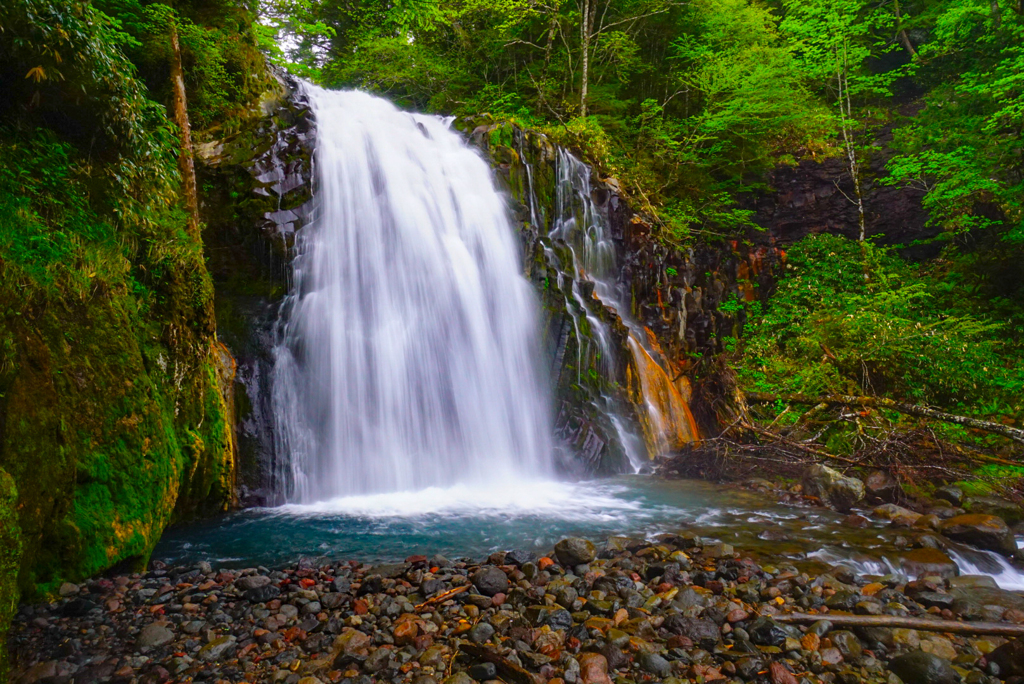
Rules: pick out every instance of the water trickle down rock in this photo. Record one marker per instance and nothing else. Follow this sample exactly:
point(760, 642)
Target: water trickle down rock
point(612, 380)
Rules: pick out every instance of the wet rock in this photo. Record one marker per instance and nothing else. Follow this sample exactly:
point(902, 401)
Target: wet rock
point(68, 589)
point(519, 558)
point(898, 516)
point(832, 487)
point(378, 660)
point(847, 643)
point(984, 531)
point(459, 678)
point(252, 582)
point(1009, 658)
point(79, 607)
point(481, 632)
point(490, 580)
point(972, 582)
point(155, 635)
point(655, 664)
point(483, 671)
point(994, 505)
point(880, 486)
point(218, 649)
point(704, 633)
point(593, 669)
point(918, 667)
point(951, 494)
point(765, 631)
point(779, 674)
point(928, 563)
point(262, 594)
point(574, 551)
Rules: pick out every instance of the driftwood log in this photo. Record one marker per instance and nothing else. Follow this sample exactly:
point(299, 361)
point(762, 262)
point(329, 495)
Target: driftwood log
point(893, 621)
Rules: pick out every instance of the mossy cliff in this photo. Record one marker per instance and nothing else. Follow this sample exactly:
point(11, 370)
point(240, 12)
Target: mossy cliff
point(114, 415)
point(257, 184)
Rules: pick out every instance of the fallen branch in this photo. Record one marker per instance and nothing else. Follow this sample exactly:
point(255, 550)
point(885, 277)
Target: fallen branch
point(442, 597)
point(1013, 433)
point(893, 621)
point(507, 670)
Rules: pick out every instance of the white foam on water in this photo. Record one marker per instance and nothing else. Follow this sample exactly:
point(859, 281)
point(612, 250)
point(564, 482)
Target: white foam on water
point(974, 562)
point(513, 499)
point(991, 564)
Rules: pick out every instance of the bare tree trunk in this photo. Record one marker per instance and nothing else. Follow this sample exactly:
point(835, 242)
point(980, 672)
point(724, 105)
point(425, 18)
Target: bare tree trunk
point(585, 28)
point(996, 13)
point(846, 119)
point(186, 165)
point(904, 38)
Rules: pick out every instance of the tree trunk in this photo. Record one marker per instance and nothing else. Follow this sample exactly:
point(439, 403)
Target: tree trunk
point(186, 165)
point(846, 117)
point(585, 27)
point(894, 621)
point(904, 38)
point(552, 25)
point(1007, 431)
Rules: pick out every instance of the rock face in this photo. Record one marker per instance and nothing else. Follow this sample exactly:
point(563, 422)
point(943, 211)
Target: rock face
point(258, 185)
point(983, 531)
point(834, 489)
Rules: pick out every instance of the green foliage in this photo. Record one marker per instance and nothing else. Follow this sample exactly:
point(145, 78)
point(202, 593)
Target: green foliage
point(828, 331)
point(965, 147)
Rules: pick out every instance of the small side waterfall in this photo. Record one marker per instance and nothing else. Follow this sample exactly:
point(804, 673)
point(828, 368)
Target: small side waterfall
point(408, 349)
point(580, 225)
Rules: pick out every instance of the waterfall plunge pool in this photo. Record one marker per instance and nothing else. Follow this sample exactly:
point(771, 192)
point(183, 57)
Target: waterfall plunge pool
point(476, 520)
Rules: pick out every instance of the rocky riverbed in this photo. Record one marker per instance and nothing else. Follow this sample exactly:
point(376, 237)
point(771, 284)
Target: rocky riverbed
point(672, 609)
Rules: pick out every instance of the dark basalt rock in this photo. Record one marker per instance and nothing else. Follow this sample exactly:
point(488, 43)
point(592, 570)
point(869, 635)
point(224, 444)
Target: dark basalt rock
point(918, 667)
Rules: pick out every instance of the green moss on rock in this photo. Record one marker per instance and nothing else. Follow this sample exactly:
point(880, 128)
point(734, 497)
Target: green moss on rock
point(10, 559)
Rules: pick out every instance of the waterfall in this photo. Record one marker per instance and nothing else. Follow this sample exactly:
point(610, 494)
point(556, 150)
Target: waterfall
point(579, 224)
point(408, 351)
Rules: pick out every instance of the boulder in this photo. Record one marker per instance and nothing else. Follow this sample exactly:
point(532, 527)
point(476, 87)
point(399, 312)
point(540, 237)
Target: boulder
point(919, 667)
point(832, 487)
point(490, 580)
point(574, 551)
point(882, 487)
point(1009, 658)
point(984, 531)
point(897, 515)
point(928, 563)
point(994, 505)
point(951, 493)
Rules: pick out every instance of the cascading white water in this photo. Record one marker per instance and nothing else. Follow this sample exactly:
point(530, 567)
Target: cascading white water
point(409, 349)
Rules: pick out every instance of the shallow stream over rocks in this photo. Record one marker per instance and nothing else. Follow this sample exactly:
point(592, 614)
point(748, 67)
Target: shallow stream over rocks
point(475, 521)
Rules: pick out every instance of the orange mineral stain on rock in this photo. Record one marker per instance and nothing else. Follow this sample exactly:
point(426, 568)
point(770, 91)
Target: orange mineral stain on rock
point(667, 422)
